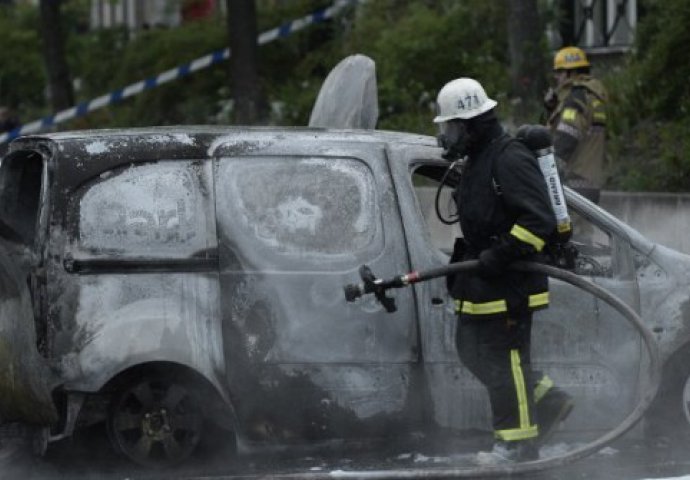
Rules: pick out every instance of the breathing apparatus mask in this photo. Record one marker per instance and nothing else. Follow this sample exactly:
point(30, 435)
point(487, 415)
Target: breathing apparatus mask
point(461, 102)
point(453, 137)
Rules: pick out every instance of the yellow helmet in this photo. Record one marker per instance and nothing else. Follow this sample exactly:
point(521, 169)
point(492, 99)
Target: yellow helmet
point(570, 57)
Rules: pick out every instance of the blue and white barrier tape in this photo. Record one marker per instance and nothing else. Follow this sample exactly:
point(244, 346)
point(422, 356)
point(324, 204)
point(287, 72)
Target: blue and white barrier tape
point(169, 75)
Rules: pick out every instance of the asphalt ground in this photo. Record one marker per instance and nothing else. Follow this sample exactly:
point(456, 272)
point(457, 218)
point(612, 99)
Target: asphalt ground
point(89, 457)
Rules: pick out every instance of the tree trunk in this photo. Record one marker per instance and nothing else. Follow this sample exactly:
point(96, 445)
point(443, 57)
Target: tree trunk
point(60, 90)
point(244, 62)
point(527, 60)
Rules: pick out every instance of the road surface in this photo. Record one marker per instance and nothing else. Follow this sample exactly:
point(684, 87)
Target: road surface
point(89, 457)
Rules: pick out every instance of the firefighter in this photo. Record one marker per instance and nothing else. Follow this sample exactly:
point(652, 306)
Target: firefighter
point(576, 115)
point(505, 215)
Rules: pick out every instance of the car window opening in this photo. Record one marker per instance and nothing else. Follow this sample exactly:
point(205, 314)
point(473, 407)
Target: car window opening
point(20, 193)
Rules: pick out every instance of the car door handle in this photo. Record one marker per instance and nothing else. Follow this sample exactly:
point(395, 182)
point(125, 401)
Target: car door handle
point(437, 301)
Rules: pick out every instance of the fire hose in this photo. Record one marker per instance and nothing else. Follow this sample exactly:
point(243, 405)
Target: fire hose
point(371, 284)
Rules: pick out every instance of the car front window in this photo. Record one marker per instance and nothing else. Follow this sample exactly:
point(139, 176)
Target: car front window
point(304, 208)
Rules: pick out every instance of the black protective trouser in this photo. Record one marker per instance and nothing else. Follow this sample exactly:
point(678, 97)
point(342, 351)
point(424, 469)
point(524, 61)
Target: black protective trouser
point(497, 352)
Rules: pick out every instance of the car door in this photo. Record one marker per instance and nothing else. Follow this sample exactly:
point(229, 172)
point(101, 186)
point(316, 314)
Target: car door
point(136, 279)
point(296, 219)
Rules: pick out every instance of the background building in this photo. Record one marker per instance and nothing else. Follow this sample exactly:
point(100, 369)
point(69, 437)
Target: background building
point(598, 26)
point(141, 14)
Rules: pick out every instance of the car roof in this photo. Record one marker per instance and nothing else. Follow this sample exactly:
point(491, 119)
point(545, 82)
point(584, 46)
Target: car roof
point(82, 154)
point(205, 135)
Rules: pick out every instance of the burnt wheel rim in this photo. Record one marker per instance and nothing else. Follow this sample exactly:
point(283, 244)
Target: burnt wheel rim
point(156, 423)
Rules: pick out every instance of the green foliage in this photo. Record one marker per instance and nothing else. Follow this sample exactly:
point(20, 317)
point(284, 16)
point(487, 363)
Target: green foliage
point(22, 78)
point(293, 68)
point(650, 121)
point(659, 63)
point(427, 47)
point(418, 45)
point(110, 61)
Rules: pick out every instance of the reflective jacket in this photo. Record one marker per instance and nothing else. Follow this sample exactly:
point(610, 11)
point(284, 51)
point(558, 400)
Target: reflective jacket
point(578, 125)
point(503, 205)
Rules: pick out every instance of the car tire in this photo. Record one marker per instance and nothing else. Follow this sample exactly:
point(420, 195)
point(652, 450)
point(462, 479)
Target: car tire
point(155, 421)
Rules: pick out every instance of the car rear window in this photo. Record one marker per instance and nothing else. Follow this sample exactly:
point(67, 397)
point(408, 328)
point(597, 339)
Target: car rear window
point(151, 210)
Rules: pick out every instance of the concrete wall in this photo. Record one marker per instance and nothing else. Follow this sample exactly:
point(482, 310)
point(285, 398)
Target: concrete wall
point(662, 217)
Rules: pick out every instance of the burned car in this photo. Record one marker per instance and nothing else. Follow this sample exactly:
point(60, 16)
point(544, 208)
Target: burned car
point(161, 280)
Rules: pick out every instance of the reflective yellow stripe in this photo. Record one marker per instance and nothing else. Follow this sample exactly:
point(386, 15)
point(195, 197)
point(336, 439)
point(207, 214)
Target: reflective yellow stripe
point(520, 389)
point(521, 233)
point(517, 433)
point(525, 430)
point(542, 387)
point(569, 114)
point(564, 227)
point(539, 299)
point(497, 306)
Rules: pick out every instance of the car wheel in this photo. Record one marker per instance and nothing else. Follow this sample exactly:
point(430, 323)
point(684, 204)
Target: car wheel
point(155, 422)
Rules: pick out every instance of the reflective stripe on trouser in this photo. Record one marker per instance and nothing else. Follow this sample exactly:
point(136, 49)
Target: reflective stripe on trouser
point(525, 427)
point(496, 351)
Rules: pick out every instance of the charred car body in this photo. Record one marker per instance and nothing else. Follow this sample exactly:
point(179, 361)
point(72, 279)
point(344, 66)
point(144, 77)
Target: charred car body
point(173, 277)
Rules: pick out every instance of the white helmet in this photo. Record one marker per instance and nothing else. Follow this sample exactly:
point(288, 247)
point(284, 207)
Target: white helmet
point(462, 98)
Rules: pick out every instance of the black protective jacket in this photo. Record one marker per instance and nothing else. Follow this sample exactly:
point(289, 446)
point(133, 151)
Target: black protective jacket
point(504, 206)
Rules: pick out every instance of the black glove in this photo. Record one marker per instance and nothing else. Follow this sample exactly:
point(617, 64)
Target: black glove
point(505, 249)
point(490, 264)
point(562, 255)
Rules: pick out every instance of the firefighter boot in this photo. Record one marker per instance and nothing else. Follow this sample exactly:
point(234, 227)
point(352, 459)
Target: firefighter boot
point(552, 409)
